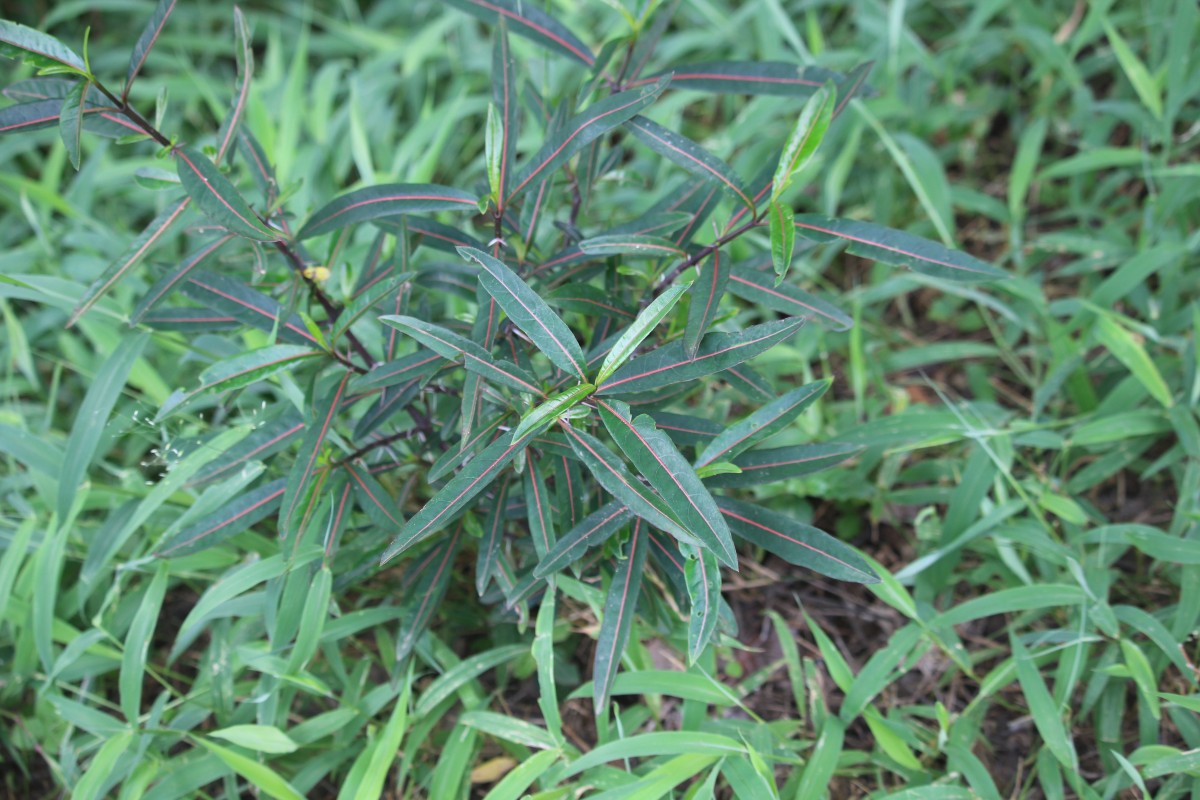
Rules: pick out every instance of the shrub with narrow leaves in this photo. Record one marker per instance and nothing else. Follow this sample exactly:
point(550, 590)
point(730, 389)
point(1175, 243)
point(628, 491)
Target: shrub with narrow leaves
point(545, 373)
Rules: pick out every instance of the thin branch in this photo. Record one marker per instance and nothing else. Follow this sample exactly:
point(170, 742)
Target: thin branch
point(695, 258)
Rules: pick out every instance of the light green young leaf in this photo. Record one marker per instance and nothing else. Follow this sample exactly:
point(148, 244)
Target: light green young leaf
point(783, 238)
point(638, 330)
point(263, 738)
point(806, 137)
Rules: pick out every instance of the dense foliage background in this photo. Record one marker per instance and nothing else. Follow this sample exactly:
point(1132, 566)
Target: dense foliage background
point(1026, 477)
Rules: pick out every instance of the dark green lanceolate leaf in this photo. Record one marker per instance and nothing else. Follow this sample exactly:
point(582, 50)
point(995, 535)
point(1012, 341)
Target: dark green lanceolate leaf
point(240, 301)
point(656, 458)
point(402, 370)
point(232, 519)
point(527, 20)
point(630, 245)
point(853, 84)
point(901, 249)
point(805, 139)
point(750, 77)
point(538, 509)
point(244, 51)
point(620, 605)
point(92, 417)
point(488, 556)
point(707, 291)
point(718, 351)
point(300, 478)
point(373, 498)
point(455, 495)
point(149, 37)
point(687, 430)
point(164, 285)
point(615, 478)
point(508, 108)
point(797, 543)
point(137, 646)
point(540, 417)
point(218, 198)
point(387, 200)
point(247, 368)
point(638, 330)
point(781, 463)
point(681, 150)
point(703, 576)
point(593, 531)
point(783, 238)
point(768, 420)
point(70, 120)
point(24, 117)
point(757, 286)
point(39, 49)
point(596, 120)
point(427, 579)
point(529, 312)
point(379, 291)
point(264, 441)
point(449, 344)
point(189, 320)
point(137, 251)
point(583, 298)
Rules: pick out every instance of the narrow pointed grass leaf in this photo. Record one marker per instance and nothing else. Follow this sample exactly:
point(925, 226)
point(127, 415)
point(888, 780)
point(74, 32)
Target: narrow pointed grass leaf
point(70, 120)
point(515, 784)
point(92, 417)
point(510, 729)
point(596, 120)
point(707, 291)
point(100, 769)
point(592, 531)
point(167, 283)
point(541, 416)
point(262, 777)
point(133, 256)
point(137, 645)
point(760, 467)
point(1144, 83)
point(462, 673)
point(38, 49)
point(244, 52)
point(386, 200)
point(261, 738)
point(529, 312)
point(669, 364)
point(232, 297)
point(767, 421)
point(1046, 711)
point(638, 330)
point(488, 554)
point(806, 137)
point(656, 458)
point(750, 77)
point(630, 245)
point(428, 578)
point(301, 475)
point(233, 518)
point(703, 575)
point(823, 761)
point(373, 498)
point(657, 743)
point(682, 151)
point(1124, 346)
point(898, 248)
point(218, 198)
point(620, 607)
point(455, 495)
point(146, 42)
point(611, 473)
point(796, 543)
point(530, 22)
point(369, 773)
point(759, 287)
point(783, 238)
